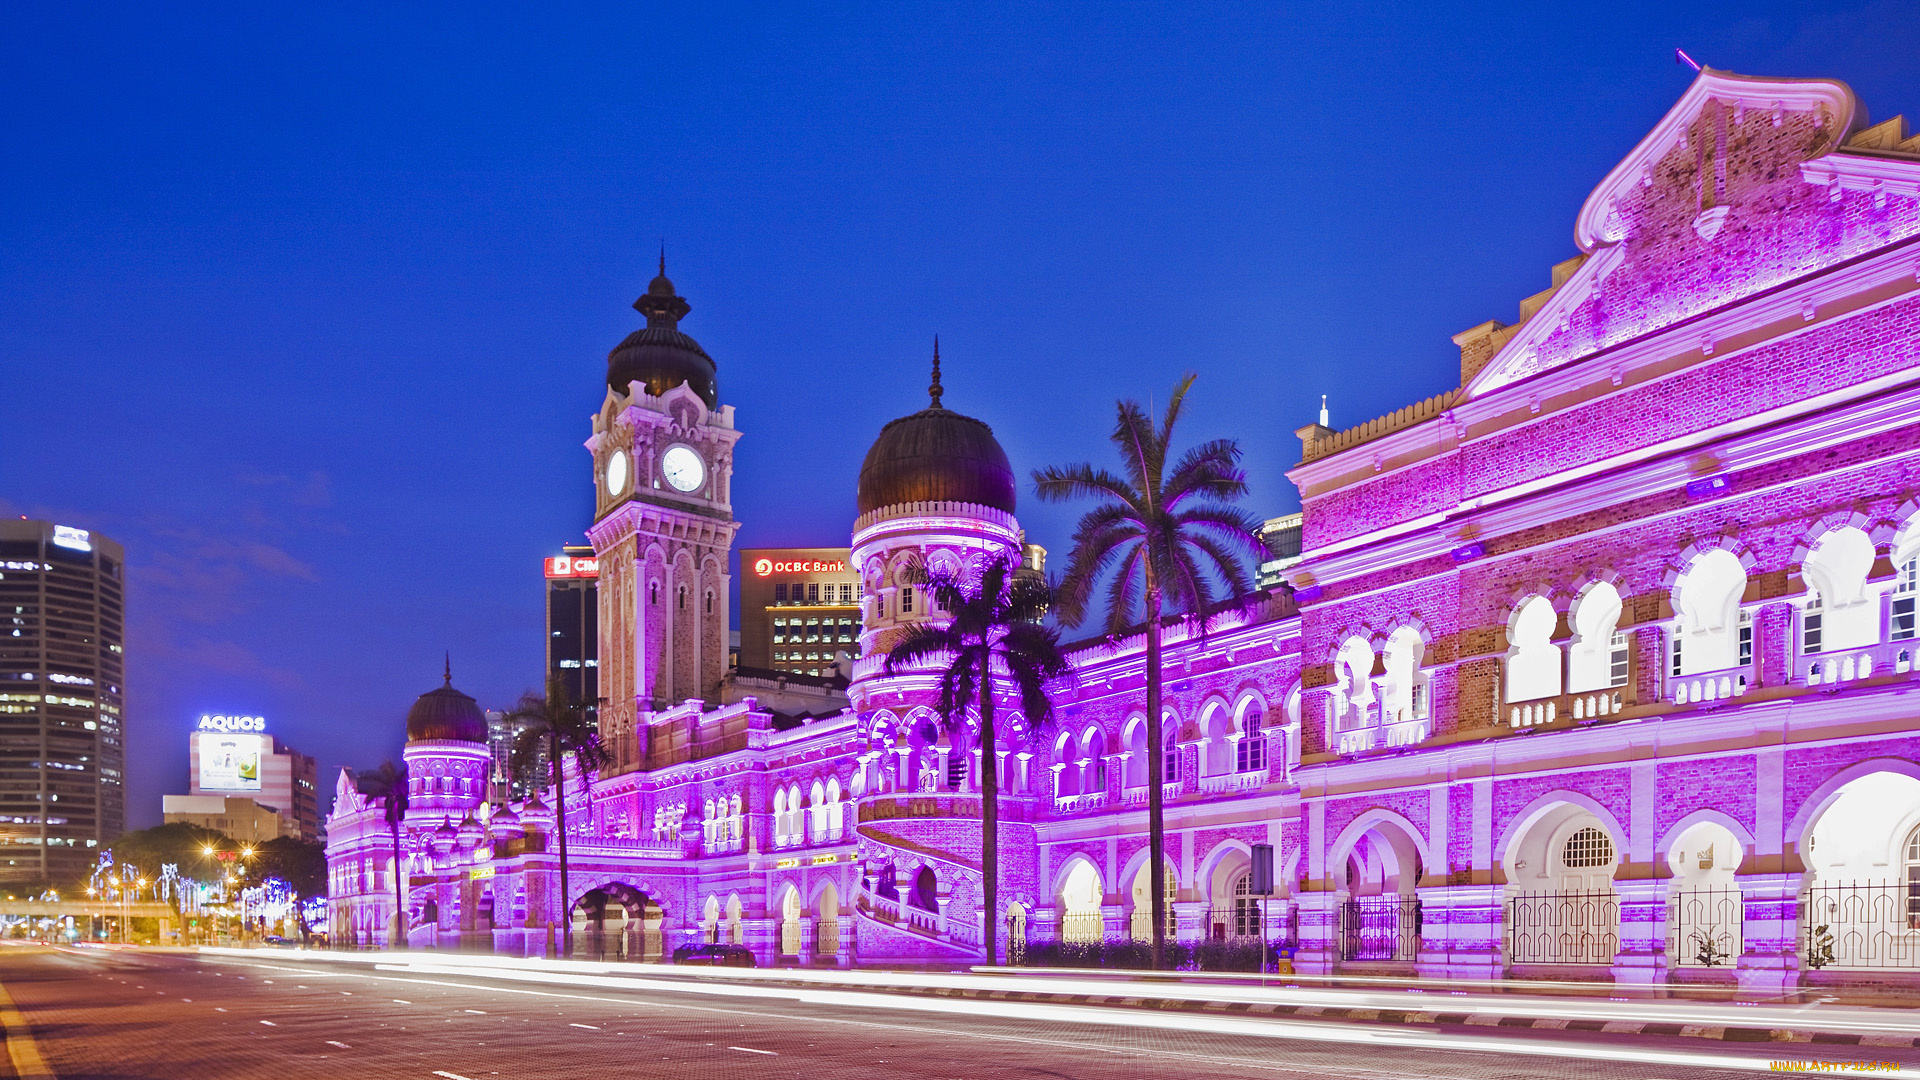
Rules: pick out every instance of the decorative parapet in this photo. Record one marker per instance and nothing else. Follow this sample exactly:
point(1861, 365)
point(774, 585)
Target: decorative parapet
point(1314, 445)
point(973, 511)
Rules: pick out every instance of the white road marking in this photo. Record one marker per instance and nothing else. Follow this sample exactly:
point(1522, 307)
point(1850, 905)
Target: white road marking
point(217, 1008)
point(450, 1076)
point(401, 1001)
point(589, 1027)
point(751, 1050)
point(341, 1045)
point(476, 1012)
point(269, 1023)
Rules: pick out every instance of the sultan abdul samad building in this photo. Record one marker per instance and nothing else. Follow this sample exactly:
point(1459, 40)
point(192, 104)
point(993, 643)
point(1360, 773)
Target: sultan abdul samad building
point(1600, 665)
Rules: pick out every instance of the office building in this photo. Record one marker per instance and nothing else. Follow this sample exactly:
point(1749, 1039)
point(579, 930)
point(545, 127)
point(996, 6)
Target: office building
point(798, 608)
point(62, 702)
point(233, 755)
point(573, 623)
point(248, 821)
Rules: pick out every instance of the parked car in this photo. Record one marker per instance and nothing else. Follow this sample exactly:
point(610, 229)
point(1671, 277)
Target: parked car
point(711, 954)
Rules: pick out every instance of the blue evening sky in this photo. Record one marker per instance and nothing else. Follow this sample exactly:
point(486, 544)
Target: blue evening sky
point(309, 308)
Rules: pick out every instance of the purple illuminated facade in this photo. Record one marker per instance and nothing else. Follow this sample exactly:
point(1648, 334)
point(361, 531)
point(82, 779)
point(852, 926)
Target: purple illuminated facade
point(1597, 667)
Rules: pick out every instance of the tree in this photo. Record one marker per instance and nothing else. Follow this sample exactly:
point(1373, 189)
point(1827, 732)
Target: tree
point(389, 784)
point(562, 729)
point(1167, 537)
point(992, 636)
point(302, 864)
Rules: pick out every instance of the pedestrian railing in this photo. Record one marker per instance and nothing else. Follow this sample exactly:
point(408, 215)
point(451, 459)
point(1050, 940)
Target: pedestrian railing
point(1380, 927)
point(1563, 927)
point(1705, 927)
point(1861, 925)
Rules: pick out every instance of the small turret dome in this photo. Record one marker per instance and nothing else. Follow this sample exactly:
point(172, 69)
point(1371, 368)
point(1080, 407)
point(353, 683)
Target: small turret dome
point(658, 354)
point(446, 713)
point(936, 455)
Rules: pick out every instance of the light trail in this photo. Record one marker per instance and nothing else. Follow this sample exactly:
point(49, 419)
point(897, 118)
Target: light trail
point(1685, 1014)
point(1089, 1015)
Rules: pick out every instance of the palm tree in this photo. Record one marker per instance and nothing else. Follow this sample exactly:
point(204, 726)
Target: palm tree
point(1167, 537)
point(389, 785)
point(993, 636)
point(559, 728)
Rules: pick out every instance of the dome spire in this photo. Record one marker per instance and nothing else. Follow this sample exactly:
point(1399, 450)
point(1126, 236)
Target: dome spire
point(661, 305)
point(449, 671)
point(933, 391)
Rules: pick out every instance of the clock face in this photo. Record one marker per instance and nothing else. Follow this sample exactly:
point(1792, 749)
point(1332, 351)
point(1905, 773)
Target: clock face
point(683, 468)
point(617, 473)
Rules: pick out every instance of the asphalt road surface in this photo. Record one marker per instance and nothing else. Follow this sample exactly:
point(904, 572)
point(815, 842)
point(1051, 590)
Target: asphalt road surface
point(173, 1016)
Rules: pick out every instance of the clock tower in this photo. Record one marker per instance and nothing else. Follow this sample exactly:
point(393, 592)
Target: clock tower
point(663, 524)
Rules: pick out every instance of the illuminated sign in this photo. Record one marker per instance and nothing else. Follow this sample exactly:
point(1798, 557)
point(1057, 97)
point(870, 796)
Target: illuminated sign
point(823, 860)
point(67, 536)
point(573, 566)
point(71, 680)
point(230, 724)
point(230, 762)
point(786, 864)
point(764, 567)
point(480, 873)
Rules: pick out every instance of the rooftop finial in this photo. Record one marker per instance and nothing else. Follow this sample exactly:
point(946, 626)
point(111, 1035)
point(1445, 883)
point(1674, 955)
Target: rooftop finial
point(1323, 411)
point(933, 391)
point(449, 674)
point(663, 256)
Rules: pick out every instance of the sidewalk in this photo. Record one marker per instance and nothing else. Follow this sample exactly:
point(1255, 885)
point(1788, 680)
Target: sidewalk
point(1394, 1003)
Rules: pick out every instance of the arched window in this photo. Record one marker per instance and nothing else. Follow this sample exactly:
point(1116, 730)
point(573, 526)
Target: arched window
point(1913, 880)
point(1906, 587)
point(1586, 848)
point(1136, 770)
point(836, 810)
point(1591, 657)
point(817, 825)
point(1066, 773)
point(1709, 623)
point(779, 817)
point(1216, 754)
point(1406, 686)
point(1170, 752)
point(1246, 908)
point(1250, 754)
point(1840, 613)
point(1353, 699)
point(1533, 660)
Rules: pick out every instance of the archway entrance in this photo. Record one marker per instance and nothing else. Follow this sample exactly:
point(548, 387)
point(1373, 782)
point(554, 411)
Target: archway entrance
point(1080, 896)
point(826, 925)
point(616, 922)
point(1380, 919)
point(790, 923)
point(1561, 907)
point(1141, 923)
point(1861, 905)
point(1706, 915)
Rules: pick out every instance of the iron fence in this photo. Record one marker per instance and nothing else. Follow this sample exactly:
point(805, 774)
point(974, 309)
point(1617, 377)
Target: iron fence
point(1705, 927)
point(1380, 928)
point(1237, 921)
point(1861, 925)
point(1082, 926)
point(1563, 927)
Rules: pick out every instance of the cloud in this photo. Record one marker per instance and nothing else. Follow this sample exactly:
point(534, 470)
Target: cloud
point(315, 492)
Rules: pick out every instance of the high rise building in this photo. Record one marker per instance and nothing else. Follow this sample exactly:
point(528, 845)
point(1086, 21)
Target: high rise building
point(233, 755)
point(799, 607)
point(573, 623)
point(62, 701)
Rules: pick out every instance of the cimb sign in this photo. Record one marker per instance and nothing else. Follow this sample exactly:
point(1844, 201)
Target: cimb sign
point(230, 724)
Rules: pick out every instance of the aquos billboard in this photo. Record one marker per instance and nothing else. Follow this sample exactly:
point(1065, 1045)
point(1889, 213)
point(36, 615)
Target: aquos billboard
point(229, 754)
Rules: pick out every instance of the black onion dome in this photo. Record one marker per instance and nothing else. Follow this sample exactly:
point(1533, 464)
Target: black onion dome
point(446, 713)
point(658, 354)
point(936, 455)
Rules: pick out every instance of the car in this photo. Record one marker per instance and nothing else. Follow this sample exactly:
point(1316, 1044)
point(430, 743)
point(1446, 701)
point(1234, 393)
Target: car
point(713, 954)
point(284, 942)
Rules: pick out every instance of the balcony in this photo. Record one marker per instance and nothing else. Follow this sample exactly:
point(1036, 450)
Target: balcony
point(1233, 782)
point(1706, 687)
point(1137, 796)
point(1076, 804)
point(1841, 666)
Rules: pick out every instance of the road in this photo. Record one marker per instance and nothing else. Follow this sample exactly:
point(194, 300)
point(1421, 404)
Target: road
point(139, 1014)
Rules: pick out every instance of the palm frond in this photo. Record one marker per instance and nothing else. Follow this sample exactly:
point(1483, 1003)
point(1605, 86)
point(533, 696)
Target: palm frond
point(1079, 482)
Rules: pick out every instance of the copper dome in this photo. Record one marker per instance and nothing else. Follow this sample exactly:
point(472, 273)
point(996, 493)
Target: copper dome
point(936, 455)
point(446, 713)
point(658, 354)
